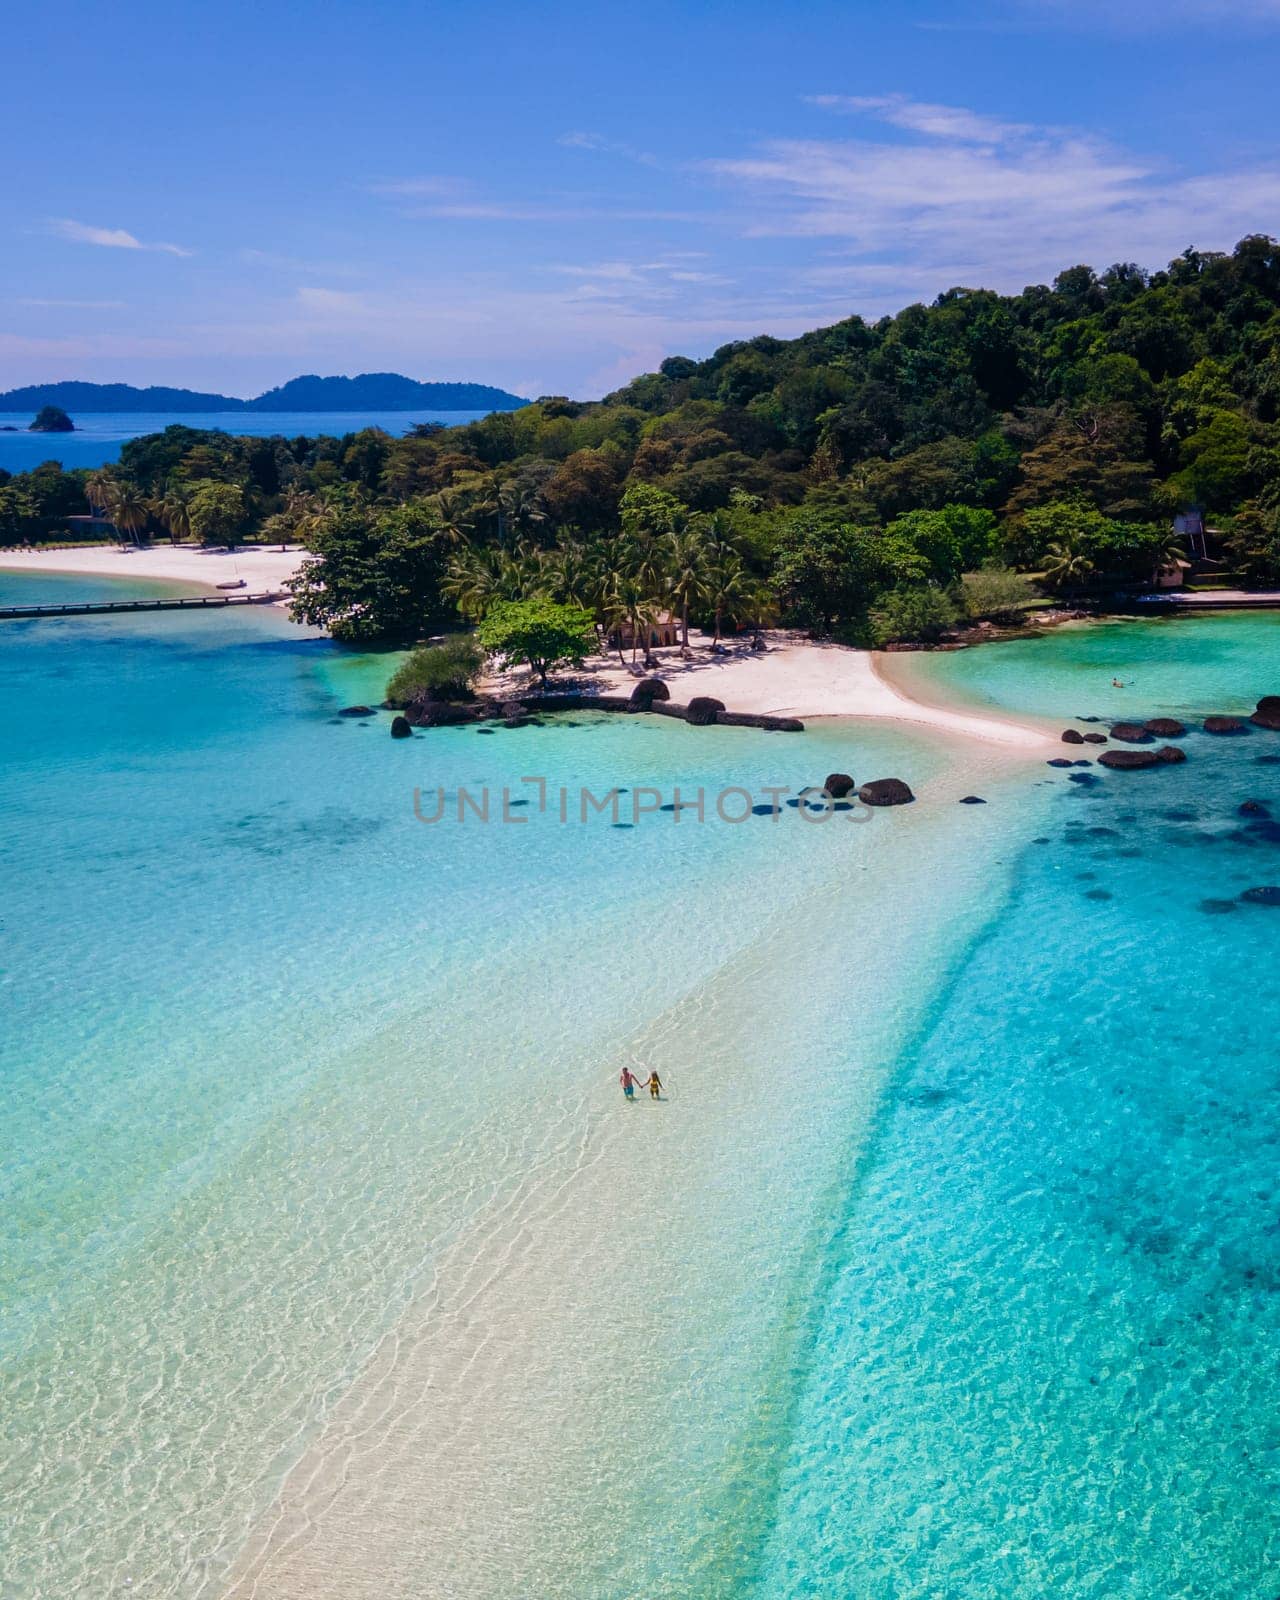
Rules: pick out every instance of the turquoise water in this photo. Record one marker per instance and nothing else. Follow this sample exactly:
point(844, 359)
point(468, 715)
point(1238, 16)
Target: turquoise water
point(99, 435)
point(333, 1262)
point(1189, 665)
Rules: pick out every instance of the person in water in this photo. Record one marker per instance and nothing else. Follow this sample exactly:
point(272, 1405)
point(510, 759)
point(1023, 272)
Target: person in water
point(628, 1080)
point(654, 1086)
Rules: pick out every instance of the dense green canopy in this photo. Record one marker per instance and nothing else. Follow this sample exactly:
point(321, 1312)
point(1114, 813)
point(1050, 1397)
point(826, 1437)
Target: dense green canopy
point(1059, 429)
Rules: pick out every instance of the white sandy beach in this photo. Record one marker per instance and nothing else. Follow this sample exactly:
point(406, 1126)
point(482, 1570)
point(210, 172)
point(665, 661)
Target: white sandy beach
point(800, 678)
point(264, 571)
point(794, 677)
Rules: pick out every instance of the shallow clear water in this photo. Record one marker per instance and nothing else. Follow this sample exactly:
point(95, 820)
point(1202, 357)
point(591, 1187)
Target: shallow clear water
point(99, 435)
point(333, 1262)
point(1223, 662)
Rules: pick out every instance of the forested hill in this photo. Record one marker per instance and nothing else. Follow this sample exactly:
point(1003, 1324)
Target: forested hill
point(371, 391)
point(867, 479)
point(382, 391)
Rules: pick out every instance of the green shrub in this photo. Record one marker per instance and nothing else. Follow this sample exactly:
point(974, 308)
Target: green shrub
point(917, 613)
point(994, 592)
point(447, 670)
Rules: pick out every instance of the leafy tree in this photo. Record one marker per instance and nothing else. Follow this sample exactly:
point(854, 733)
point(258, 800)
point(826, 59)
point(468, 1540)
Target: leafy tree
point(215, 512)
point(542, 634)
point(922, 612)
point(995, 592)
point(951, 540)
point(372, 577)
point(447, 670)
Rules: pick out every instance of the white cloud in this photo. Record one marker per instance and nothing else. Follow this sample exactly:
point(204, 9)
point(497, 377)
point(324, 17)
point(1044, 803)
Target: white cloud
point(613, 147)
point(109, 238)
point(917, 116)
point(974, 201)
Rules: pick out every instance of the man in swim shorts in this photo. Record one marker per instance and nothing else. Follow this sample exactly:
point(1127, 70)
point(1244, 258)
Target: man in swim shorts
point(628, 1080)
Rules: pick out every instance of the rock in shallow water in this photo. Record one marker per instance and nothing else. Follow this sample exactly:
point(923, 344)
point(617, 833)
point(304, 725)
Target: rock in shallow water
point(1128, 760)
point(356, 711)
point(1131, 733)
point(400, 728)
point(1165, 727)
point(1266, 895)
point(1223, 725)
point(1072, 736)
point(838, 785)
point(1267, 714)
point(973, 800)
point(885, 792)
point(1095, 738)
point(702, 709)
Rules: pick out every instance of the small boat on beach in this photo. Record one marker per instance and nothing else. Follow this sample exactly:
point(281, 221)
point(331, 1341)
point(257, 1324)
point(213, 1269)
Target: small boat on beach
point(234, 583)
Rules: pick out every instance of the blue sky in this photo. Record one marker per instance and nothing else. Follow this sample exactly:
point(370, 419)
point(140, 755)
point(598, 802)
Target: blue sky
point(553, 197)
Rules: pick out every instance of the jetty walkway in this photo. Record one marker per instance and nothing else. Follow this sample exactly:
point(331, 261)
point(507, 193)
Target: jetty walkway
point(87, 608)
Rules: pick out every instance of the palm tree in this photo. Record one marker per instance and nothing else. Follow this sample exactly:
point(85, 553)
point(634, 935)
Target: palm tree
point(99, 488)
point(1067, 566)
point(128, 509)
point(1167, 553)
point(456, 520)
point(686, 574)
point(520, 506)
point(173, 510)
point(629, 600)
point(730, 589)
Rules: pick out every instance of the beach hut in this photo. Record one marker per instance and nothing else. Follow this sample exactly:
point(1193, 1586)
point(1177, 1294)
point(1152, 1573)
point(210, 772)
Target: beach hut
point(661, 629)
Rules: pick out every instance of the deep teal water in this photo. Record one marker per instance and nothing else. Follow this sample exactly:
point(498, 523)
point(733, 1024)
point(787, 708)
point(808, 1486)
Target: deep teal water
point(966, 1278)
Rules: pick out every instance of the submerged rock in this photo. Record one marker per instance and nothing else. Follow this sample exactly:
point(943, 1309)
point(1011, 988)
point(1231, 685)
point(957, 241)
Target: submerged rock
point(973, 800)
point(401, 728)
point(1128, 760)
point(1267, 895)
point(427, 713)
point(1095, 738)
point(838, 785)
point(1253, 808)
point(1059, 761)
point(356, 711)
point(885, 792)
point(1165, 727)
point(1224, 725)
point(1267, 714)
point(1217, 908)
point(1131, 732)
point(1169, 755)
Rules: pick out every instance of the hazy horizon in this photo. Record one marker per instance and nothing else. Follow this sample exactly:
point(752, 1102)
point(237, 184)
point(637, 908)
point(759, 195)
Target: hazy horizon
point(408, 192)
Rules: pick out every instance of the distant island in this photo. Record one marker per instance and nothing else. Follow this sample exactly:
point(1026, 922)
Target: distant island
point(52, 419)
point(370, 391)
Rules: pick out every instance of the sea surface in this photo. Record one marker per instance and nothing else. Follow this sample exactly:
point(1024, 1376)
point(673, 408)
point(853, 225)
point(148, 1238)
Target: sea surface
point(334, 1263)
point(99, 435)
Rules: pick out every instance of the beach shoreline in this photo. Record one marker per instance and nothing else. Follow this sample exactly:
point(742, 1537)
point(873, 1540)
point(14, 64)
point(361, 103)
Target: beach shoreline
point(796, 677)
point(263, 571)
point(792, 677)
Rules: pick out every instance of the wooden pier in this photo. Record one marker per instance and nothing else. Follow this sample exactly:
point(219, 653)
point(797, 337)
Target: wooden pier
point(93, 608)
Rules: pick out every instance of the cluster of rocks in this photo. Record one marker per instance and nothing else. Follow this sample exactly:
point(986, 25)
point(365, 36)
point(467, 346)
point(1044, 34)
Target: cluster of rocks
point(879, 792)
point(649, 695)
point(1266, 715)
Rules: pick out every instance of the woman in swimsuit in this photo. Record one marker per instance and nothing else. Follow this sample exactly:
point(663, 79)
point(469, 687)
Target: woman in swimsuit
point(654, 1086)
